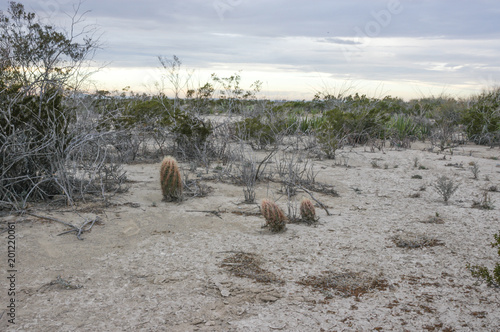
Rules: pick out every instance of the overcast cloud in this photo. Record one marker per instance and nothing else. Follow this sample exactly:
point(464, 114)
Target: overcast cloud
point(430, 43)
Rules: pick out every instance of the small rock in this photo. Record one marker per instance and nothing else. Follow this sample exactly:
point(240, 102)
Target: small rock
point(210, 323)
point(197, 321)
point(268, 298)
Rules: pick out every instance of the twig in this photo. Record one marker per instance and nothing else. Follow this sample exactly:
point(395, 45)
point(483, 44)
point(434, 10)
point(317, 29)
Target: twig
point(49, 218)
point(214, 212)
point(78, 230)
point(319, 203)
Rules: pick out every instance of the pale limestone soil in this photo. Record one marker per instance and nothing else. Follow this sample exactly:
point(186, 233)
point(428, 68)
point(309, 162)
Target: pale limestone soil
point(156, 266)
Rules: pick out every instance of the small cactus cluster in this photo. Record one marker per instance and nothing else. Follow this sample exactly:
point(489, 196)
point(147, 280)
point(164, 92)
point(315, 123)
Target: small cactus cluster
point(275, 217)
point(170, 180)
point(307, 211)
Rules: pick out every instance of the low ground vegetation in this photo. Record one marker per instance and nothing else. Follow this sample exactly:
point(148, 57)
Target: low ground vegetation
point(62, 146)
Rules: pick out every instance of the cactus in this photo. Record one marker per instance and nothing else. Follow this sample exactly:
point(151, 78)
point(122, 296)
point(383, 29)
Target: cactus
point(170, 180)
point(275, 217)
point(307, 211)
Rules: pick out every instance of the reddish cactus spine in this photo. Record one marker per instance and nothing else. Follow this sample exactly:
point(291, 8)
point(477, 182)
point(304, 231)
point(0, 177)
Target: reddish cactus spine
point(275, 217)
point(170, 180)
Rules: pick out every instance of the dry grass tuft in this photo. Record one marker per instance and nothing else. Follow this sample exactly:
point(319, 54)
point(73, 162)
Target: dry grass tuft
point(413, 240)
point(247, 265)
point(346, 283)
point(433, 220)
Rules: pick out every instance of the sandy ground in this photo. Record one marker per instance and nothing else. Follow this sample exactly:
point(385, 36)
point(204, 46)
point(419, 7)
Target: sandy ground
point(158, 266)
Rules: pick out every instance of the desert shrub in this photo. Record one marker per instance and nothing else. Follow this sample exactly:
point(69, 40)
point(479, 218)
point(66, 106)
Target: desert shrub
point(492, 278)
point(170, 180)
point(275, 217)
point(403, 130)
point(446, 187)
point(256, 130)
point(482, 118)
point(474, 168)
point(44, 145)
point(32, 129)
point(292, 173)
point(246, 171)
point(329, 141)
point(191, 134)
point(267, 125)
point(446, 115)
point(232, 98)
point(153, 117)
point(307, 211)
point(248, 176)
point(484, 203)
point(353, 120)
point(438, 118)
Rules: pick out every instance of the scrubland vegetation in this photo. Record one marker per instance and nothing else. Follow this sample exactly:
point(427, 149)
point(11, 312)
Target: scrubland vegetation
point(59, 143)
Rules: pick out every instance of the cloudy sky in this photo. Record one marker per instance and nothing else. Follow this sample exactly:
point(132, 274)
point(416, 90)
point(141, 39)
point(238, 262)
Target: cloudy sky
point(406, 48)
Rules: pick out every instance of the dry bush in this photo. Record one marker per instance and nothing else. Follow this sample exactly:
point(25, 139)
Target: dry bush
point(49, 145)
point(244, 169)
point(77, 164)
point(474, 168)
point(446, 187)
point(484, 203)
point(194, 188)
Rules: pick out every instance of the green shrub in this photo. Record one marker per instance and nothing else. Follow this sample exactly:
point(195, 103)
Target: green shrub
point(357, 118)
point(33, 140)
point(482, 119)
point(256, 130)
point(403, 130)
point(481, 272)
point(190, 132)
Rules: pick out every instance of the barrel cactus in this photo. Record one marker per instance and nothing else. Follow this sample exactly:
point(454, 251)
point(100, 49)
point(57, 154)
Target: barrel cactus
point(170, 180)
point(307, 211)
point(275, 217)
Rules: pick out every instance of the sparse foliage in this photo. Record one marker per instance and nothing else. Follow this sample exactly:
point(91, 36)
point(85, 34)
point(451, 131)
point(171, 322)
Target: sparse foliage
point(484, 203)
point(474, 168)
point(446, 187)
point(45, 139)
point(482, 118)
point(492, 278)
